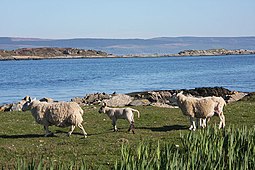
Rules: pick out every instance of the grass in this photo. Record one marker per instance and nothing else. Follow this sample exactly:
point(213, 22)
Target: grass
point(22, 140)
point(231, 148)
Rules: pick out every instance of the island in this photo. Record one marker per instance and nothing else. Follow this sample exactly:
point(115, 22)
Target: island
point(69, 53)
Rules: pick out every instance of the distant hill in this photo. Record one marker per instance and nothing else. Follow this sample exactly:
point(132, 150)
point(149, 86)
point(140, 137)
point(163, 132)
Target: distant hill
point(160, 45)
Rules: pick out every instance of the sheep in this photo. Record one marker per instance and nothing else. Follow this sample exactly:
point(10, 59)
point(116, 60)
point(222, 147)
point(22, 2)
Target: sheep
point(120, 113)
point(201, 108)
point(61, 114)
point(218, 110)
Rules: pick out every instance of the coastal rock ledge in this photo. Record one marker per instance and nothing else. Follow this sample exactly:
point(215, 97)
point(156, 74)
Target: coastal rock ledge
point(215, 52)
point(50, 53)
point(160, 98)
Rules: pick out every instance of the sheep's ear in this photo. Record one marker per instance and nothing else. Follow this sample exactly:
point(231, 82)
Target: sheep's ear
point(29, 99)
point(178, 94)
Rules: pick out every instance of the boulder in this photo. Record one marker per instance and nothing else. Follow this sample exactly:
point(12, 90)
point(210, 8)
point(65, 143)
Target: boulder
point(236, 97)
point(163, 105)
point(91, 99)
point(46, 99)
point(249, 97)
point(78, 100)
point(119, 100)
point(5, 108)
point(140, 102)
point(18, 106)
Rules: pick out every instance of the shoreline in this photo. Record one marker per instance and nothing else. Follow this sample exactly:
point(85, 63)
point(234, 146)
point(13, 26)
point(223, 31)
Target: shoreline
point(158, 98)
point(71, 53)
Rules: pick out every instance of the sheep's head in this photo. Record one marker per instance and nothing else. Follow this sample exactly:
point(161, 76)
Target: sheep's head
point(179, 94)
point(102, 108)
point(27, 105)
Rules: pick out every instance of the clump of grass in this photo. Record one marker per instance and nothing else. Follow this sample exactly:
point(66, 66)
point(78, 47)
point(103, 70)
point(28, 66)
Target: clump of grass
point(41, 163)
point(206, 149)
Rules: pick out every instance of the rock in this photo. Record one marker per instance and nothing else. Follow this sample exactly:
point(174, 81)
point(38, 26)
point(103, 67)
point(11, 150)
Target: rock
point(18, 106)
point(15, 106)
point(78, 100)
point(236, 97)
point(5, 108)
point(163, 105)
point(214, 52)
point(249, 97)
point(91, 99)
point(119, 100)
point(96, 98)
point(209, 91)
point(46, 99)
point(140, 102)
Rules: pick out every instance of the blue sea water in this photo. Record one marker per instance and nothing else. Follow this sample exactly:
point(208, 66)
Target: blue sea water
point(63, 79)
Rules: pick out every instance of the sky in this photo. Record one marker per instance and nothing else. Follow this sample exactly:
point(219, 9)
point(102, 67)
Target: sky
point(63, 19)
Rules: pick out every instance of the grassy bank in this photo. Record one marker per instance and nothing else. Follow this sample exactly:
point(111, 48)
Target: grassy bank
point(22, 140)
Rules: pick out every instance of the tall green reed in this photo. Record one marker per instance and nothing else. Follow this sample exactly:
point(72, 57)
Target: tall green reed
point(210, 148)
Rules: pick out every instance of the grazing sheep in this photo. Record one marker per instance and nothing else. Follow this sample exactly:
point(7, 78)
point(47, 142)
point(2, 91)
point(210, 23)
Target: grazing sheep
point(61, 114)
point(120, 113)
point(201, 108)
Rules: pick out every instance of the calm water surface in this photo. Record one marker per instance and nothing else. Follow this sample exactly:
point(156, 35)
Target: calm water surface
point(68, 78)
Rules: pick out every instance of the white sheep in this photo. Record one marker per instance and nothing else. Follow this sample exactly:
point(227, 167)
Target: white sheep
point(220, 102)
point(61, 114)
point(120, 113)
point(201, 108)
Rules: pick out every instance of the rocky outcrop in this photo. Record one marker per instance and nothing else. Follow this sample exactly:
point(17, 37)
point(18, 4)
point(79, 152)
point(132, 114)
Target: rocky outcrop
point(48, 53)
point(91, 99)
point(46, 99)
point(215, 52)
point(249, 97)
point(119, 100)
point(160, 98)
point(63, 53)
point(18, 105)
point(14, 106)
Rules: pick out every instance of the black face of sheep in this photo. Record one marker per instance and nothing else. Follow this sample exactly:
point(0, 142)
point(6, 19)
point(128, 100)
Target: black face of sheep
point(27, 106)
point(102, 108)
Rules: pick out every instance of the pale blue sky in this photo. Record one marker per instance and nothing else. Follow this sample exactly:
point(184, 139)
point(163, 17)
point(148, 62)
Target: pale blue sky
point(126, 18)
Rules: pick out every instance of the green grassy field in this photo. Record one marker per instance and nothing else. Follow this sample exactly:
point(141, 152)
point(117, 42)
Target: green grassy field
point(21, 138)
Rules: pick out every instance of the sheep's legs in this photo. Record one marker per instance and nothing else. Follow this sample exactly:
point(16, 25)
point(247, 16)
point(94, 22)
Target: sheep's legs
point(132, 127)
point(114, 125)
point(192, 124)
point(81, 127)
point(222, 120)
point(203, 122)
point(48, 133)
point(71, 130)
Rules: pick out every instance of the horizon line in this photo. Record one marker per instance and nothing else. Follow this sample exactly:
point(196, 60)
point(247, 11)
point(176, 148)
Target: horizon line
point(103, 38)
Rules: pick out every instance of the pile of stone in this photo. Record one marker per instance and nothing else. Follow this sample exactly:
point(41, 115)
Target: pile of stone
point(161, 98)
point(18, 105)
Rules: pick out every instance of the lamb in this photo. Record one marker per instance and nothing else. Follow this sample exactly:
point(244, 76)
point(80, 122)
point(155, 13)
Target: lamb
point(119, 113)
point(61, 114)
point(218, 110)
point(201, 108)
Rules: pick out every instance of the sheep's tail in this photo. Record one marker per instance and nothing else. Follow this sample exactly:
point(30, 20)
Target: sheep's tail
point(138, 113)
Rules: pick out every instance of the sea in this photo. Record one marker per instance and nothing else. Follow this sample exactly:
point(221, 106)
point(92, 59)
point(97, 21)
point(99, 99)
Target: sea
point(64, 79)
